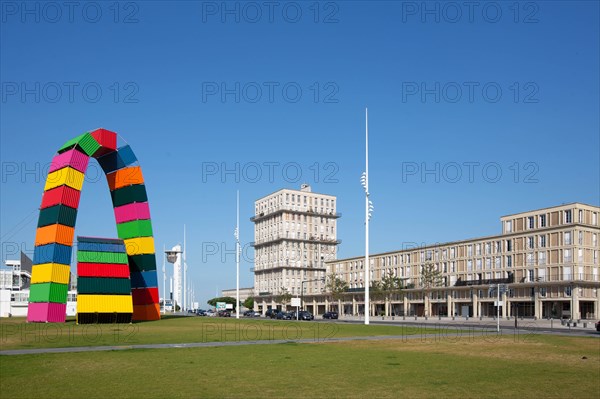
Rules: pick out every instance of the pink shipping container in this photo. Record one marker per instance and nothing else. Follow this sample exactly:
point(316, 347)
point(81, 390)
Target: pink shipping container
point(73, 158)
point(47, 312)
point(133, 211)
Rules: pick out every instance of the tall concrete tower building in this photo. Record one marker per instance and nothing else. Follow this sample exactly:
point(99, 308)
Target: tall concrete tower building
point(295, 233)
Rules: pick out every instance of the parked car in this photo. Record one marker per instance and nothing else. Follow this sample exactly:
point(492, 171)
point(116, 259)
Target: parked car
point(598, 326)
point(284, 316)
point(330, 315)
point(305, 315)
point(272, 313)
point(251, 313)
point(201, 312)
point(224, 313)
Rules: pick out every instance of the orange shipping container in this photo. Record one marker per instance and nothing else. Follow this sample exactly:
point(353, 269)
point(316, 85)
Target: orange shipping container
point(54, 233)
point(125, 177)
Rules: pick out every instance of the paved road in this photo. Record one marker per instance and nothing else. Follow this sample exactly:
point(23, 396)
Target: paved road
point(582, 328)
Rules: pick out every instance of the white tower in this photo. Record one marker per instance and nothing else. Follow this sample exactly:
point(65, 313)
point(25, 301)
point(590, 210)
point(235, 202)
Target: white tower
point(177, 277)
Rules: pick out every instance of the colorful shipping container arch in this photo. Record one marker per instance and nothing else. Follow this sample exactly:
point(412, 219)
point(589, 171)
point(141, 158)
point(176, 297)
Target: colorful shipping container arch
point(56, 226)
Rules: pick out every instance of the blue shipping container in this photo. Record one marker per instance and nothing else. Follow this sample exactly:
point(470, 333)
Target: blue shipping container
point(52, 253)
point(100, 247)
point(144, 279)
point(116, 160)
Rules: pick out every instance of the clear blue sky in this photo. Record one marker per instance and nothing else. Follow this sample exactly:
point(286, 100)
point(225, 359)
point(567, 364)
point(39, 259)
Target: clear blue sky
point(528, 108)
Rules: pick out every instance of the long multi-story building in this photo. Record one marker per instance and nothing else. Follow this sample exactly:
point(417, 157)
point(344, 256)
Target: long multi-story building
point(15, 280)
point(295, 233)
point(546, 260)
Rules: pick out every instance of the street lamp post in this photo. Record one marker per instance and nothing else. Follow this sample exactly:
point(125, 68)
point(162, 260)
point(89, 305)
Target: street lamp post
point(368, 212)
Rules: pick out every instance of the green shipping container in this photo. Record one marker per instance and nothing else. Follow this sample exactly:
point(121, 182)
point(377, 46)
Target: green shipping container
point(142, 263)
point(101, 257)
point(86, 142)
point(129, 194)
point(57, 214)
point(48, 292)
point(135, 228)
point(99, 285)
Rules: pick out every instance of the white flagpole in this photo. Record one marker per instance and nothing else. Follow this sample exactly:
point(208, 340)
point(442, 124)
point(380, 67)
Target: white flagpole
point(367, 269)
point(164, 281)
point(184, 266)
point(237, 258)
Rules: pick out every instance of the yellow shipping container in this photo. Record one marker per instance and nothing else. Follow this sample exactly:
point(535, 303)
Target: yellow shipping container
point(50, 273)
point(104, 304)
point(140, 245)
point(65, 176)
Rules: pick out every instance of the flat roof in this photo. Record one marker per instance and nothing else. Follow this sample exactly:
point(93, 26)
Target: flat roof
point(551, 207)
point(299, 191)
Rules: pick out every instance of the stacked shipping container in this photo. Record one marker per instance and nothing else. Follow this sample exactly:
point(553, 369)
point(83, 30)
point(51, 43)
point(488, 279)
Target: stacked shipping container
point(56, 228)
point(55, 231)
point(132, 214)
point(103, 285)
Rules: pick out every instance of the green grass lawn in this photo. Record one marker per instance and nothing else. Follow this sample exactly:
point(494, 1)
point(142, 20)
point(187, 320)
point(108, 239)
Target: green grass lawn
point(535, 366)
point(15, 333)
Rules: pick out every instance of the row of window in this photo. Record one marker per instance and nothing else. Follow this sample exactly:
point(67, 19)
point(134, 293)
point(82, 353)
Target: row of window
point(530, 221)
point(299, 199)
point(479, 263)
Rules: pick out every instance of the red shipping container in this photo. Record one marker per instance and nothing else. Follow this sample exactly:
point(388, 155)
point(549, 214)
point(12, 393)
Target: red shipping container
point(117, 270)
point(107, 141)
point(61, 195)
point(146, 312)
point(47, 312)
point(73, 158)
point(144, 296)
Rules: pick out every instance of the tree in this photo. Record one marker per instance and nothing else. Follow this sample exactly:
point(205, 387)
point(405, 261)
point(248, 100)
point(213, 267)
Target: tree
point(284, 297)
point(376, 290)
point(226, 299)
point(375, 293)
point(430, 278)
point(337, 287)
point(390, 285)
point(249, 303)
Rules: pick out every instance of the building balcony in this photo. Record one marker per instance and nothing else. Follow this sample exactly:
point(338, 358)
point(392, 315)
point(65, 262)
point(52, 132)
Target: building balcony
point(567, 277)
point(309, 212)
point(286, 265)
point(310, 240)
point(468, 283)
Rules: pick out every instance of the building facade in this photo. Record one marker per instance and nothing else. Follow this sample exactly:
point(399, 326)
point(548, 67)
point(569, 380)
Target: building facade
point(546, 259)
point(295, 233)
point(15, 281)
